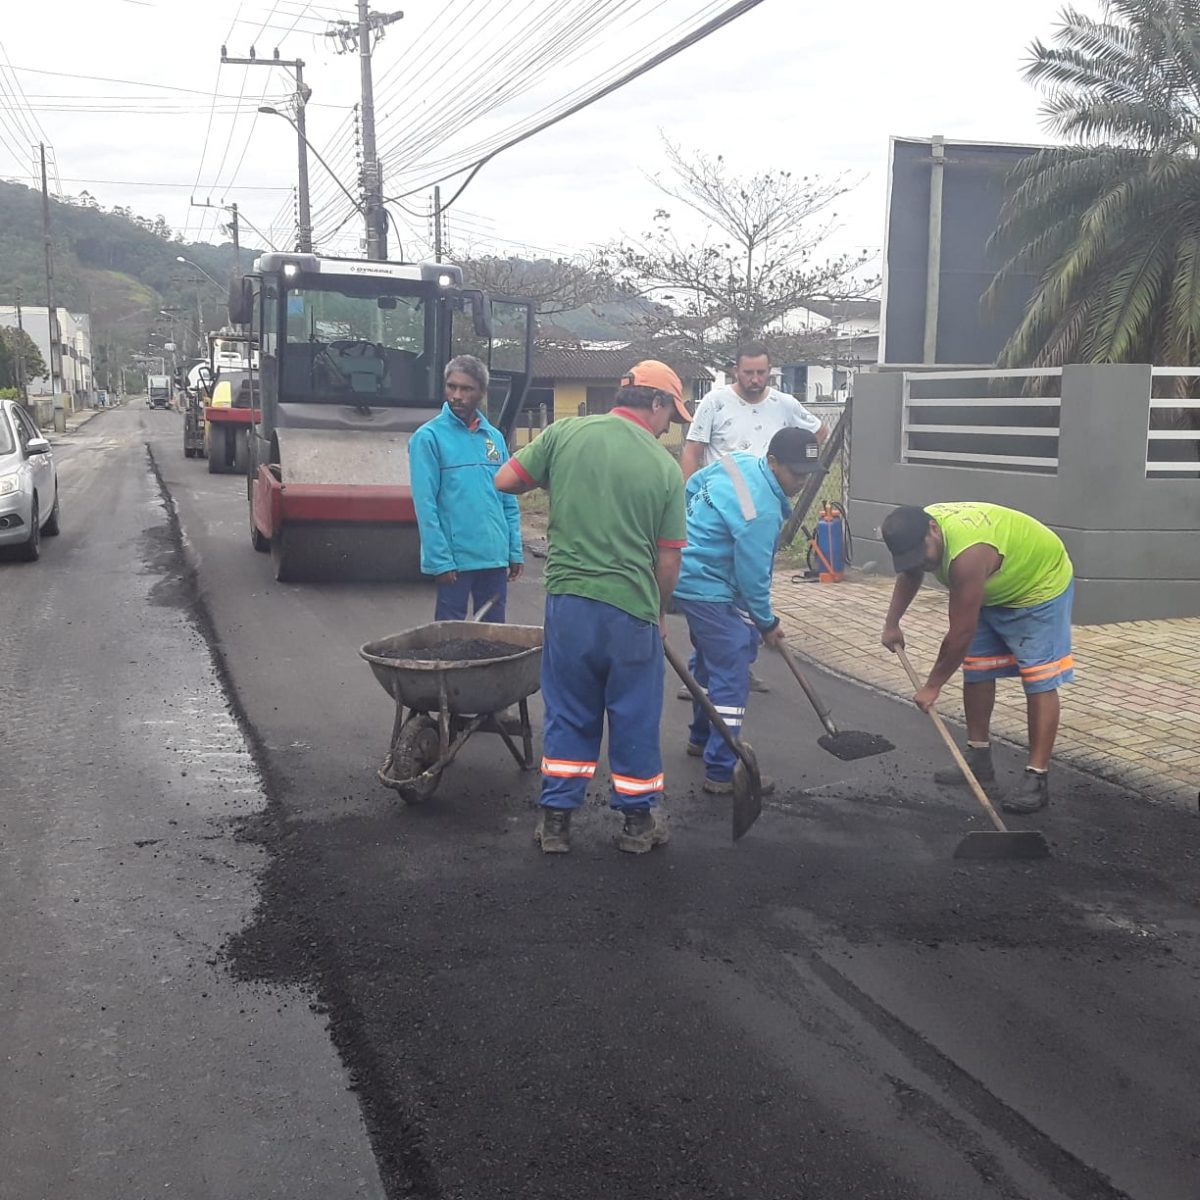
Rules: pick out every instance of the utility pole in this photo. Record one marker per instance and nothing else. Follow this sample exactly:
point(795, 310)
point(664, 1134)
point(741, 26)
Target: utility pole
point(352, 36)
point(372, 175)
point(301, 98)
point(235, 233)
point(24, 392)
point(55, 363)
point(437, 223)
point(234, 228)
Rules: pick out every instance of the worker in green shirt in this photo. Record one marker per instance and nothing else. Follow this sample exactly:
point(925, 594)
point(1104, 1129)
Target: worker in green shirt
point(1011, 586)
point(617, 531)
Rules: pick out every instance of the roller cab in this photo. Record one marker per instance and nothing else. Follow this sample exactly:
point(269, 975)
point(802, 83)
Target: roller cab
point(350, 362)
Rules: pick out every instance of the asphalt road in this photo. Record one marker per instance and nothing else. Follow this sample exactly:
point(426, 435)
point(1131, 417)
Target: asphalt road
point(832, 1008)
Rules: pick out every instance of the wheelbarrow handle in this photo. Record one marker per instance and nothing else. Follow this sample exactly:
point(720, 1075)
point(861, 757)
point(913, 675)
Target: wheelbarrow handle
point(952, 746)
point(819, 705)
point(701, 697)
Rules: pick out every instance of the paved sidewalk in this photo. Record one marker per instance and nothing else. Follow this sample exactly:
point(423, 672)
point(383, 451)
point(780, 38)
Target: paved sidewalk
point(76, 419)
point(1132, 715)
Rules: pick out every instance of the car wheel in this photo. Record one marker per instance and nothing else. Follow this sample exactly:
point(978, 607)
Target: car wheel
point(31, 549)
point(53, 528)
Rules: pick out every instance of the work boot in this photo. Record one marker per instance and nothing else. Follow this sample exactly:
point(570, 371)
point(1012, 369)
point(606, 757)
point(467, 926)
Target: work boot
point(644, 828)
point(695, 749)
point(553, 832)
point(979, 759)
point(758, 685)
point(724, 787)
point(1033, 794)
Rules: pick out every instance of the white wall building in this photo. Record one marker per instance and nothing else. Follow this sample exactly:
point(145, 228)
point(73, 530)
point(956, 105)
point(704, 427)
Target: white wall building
point(75, 341)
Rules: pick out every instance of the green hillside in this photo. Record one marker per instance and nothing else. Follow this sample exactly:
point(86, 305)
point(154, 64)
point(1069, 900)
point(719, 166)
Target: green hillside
point(116, 265)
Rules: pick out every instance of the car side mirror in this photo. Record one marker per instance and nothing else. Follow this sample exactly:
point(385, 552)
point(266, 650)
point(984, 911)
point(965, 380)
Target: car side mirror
point(36, 445)
point(206, 379)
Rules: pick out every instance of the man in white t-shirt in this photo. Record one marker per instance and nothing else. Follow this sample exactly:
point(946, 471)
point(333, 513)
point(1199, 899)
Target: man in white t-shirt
point(744, 416)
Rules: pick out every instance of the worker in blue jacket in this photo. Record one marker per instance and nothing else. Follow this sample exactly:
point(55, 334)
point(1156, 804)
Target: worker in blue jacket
point(735, 510)
point(470, 533)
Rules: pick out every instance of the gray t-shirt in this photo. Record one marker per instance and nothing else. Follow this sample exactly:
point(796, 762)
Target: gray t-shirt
point(726, 423)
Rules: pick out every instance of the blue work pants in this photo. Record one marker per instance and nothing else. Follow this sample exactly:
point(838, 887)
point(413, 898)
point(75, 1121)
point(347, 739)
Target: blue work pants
point(475, 588)
point(725, 644)
point(598, 660)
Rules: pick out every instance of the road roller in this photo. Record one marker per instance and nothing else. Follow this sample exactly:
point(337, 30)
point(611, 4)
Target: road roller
point(232, 406)
point(350, 356)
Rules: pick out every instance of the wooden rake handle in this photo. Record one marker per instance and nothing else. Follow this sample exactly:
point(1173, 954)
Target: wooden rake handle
point(952, 746)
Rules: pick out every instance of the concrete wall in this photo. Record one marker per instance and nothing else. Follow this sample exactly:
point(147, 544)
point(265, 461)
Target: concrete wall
point(1135, 542)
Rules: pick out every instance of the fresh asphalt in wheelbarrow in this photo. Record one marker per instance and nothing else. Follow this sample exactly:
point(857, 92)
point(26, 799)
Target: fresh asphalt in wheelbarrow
point(833, 1007)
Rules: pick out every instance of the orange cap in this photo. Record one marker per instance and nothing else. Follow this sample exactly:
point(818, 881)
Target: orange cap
point(654, 374)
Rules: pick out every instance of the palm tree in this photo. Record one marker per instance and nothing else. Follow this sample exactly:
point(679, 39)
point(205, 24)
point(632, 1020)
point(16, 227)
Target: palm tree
point(1112, 223)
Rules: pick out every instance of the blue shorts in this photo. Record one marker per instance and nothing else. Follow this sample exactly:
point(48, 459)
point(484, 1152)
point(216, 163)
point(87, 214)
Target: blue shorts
point(1033, 642)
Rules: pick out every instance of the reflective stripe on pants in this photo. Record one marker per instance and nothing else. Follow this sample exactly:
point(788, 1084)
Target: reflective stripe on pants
point(598, 660)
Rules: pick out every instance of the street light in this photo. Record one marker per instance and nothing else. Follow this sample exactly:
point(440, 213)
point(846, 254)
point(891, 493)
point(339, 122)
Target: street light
point(305, 216)
point(219, 286)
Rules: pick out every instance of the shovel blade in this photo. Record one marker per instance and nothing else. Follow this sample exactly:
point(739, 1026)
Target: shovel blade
point(747, 793)
point(852, 744)
point(991, 845)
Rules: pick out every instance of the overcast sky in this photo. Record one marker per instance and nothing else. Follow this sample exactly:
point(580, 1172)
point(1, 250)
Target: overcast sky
point(810, 87)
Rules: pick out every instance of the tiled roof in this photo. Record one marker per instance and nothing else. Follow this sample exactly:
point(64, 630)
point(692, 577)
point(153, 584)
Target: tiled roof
point(598, 364)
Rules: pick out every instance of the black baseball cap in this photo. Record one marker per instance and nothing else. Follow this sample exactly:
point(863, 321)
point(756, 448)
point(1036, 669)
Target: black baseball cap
point(797, 449)
point(904, 531)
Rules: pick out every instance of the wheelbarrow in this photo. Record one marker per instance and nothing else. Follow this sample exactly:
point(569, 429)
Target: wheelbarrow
point(441, 703)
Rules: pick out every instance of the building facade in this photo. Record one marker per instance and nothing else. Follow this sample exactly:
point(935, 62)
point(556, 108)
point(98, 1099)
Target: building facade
point(73, 360)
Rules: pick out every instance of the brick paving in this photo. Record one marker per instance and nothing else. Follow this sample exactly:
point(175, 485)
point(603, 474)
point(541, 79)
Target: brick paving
point(1132, 715)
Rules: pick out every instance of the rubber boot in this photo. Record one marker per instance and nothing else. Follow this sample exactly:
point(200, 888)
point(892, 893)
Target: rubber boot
point(979, 759)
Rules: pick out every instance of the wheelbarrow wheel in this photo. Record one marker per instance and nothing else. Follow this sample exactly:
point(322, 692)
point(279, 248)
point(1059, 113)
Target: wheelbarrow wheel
point(415, 751)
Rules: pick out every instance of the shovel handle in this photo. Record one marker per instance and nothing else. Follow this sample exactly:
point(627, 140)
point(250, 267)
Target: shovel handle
point(701, 698)
point(952, 746)
point(483, 612)
point(818, 704)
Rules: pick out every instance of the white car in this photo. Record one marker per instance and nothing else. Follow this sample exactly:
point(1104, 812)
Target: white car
point(28, 483)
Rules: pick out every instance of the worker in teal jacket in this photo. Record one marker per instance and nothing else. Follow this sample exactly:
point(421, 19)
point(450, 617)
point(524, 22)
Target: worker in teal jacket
point(735, 510)
point(470, 533)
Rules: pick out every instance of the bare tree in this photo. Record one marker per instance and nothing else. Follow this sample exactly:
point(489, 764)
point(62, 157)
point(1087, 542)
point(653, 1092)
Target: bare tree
point(753, 266)
point(558, 285)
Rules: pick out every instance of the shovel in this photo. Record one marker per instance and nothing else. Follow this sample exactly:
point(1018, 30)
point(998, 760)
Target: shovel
point(1001, 842)
point(747, 781)
point(846, 744)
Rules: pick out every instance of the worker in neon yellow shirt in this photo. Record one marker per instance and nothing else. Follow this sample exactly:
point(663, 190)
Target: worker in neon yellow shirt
point(1011, 587)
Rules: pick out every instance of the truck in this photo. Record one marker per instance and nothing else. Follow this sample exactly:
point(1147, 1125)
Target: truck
point(350, 358)
point(158, 391)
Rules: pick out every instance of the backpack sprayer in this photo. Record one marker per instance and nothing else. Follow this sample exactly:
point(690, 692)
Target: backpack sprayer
point(831, 548)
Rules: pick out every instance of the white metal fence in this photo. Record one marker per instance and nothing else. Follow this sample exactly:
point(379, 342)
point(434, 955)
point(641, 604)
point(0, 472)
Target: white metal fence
point(1172, 436)
point(960, 418)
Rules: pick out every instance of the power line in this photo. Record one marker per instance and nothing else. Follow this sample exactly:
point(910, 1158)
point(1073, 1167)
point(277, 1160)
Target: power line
point(164, 87)
point(234, 122)
point(471, 154)
point(725, 17)
point(561, 39)
point(152, 183)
